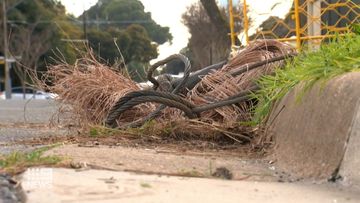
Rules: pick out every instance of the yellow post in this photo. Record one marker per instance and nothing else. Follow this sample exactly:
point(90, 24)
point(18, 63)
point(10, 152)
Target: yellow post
point(231, 21)
point(246, 23)
point(297, 25)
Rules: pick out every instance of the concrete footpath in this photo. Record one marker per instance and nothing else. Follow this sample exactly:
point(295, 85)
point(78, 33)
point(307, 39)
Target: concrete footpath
point(69, 185)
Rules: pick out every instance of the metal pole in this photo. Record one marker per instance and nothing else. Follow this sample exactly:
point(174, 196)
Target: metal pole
point(314, 21)
point(84, 26)
point(6, 63)
point(246, 23)
point(84, 23)
point(297, 25)
point(231, 21)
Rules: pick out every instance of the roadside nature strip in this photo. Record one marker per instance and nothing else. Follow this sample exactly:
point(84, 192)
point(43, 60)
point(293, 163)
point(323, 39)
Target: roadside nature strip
point(18, 161)
point(341, 55)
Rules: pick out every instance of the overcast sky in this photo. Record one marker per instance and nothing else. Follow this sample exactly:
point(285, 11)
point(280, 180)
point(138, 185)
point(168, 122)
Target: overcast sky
point(168, 13)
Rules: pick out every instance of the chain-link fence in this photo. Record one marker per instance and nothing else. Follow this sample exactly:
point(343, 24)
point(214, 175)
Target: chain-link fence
point(305, 21)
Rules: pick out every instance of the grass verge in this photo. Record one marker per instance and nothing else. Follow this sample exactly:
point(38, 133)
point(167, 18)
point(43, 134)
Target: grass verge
point(341, 55)
point(17, 161)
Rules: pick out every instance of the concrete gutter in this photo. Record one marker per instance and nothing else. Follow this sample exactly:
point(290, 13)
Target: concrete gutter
point(319, 134)
point(350, 167)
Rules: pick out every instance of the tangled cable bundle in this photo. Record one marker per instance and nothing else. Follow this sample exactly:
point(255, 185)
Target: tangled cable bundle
point(239, 74)
point(222, 95)
point(218, 96)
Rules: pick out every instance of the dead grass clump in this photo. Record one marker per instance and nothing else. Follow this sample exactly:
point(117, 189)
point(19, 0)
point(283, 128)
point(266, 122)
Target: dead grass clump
point(90, 89)
point(181, 129)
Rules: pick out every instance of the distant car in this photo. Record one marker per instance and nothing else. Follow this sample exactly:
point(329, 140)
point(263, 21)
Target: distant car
point(28, 93)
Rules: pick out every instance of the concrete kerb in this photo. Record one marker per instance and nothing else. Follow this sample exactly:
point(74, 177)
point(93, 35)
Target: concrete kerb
point(317, 137)
point(350, 167)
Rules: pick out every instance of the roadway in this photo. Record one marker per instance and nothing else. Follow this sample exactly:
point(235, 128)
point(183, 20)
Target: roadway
point(25, 119)
point(27, 111)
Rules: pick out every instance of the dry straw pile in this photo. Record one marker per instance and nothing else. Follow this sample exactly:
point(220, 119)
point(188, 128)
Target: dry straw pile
point(91, 88)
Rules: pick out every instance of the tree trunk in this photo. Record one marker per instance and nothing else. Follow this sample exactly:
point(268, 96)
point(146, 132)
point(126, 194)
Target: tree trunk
point(217, 19)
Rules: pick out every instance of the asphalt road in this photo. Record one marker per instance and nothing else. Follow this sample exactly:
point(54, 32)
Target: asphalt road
point(26, 111)
point(25, 119)
point(22, 120)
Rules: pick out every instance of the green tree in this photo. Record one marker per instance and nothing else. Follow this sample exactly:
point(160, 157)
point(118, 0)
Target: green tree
point(36, 29)
point(123, 25)
point(133, 42)
point(123, 13)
